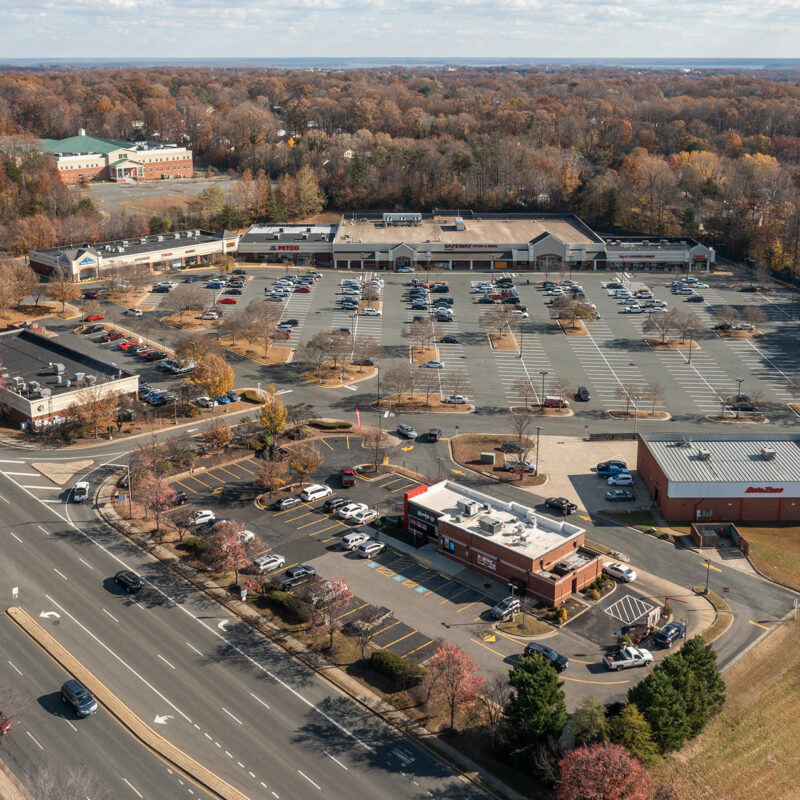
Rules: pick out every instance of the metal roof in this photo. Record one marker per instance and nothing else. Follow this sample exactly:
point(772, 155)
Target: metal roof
point(82, 145)
point(731, 459)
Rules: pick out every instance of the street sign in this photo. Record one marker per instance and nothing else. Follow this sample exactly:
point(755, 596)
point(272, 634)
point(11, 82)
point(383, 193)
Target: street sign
point(727, 589)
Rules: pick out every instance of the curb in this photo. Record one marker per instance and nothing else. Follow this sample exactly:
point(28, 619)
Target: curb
point(333, 676)
point(10, 786)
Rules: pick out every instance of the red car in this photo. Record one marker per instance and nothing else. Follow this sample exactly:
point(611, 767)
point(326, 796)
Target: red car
point(111, 336)
point(91, 295)
point(302, 290)
point(94, 317)
point(146, 353)
point(124, 345)
point(228, 301)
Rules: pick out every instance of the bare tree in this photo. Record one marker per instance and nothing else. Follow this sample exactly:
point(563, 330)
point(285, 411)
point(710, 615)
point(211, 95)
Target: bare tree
point(686, 321)
point(761, 273)
point(183, 522)
point(430, 384)
point(727, 315)
point(185, 297)
point(366, 348)
point(298, 415)
point(371, 294)
point(662, 324)
point(493, 701)
point(526, 389)
point(654, 393)
point(521, 422)
point(499, 318)
point(315, 351)
point(340, 348)
point(559, 386)
point(456, 382)
point(377, 446)
point(754, 316)
point(402, 380)
point(793, 386)
point(57, 784)
point(422, 331)
point(629, 392)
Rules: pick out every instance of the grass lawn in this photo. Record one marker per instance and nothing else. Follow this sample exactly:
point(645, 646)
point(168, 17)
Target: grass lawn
point(503, 341)
point(525, 625)
point(467, 449)
point(775, 551)
point(750, 750)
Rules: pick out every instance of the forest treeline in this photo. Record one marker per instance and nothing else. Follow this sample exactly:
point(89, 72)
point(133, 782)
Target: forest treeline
point(659, 153)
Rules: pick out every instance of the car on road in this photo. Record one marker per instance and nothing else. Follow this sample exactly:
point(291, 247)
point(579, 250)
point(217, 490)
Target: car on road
point(370, 549)
point(284, 503)
point(560, 504)
point(683, 290)
point(269, 562)
point(583, 394)
point(621, 479)
point(621, 572)
point(203, 516)
point(128, 580)
point(434, 434)
point(696, 298)
point(297, 576)
point(628, 657)
point(557, 661)
point(450, 340)
point(670, 633)
point(204, 401)
point(404, 269)
point(75, 694)
point(371, 312)
point(347, 477)
point(506, 608)
point(407, 431)
point(332, 503)
point(80, 492)
point(91, 294)
point(617, 495)
point(133, 312)
point(364, 517)
point(520, 314)
point(350, 510)
point(350, 541)
point(434, 364)
point(94, 317)
point(315, 492)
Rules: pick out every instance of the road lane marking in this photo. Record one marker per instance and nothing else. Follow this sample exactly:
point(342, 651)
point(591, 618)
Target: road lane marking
point(346, 769)
point(15, 668)
point(15, 536)
point(233, 474)
point(70, 724)
point(51, 488)
point(490, 649)
point(758, 624)
point(192, 647)
point(165, 661)
point(60, 573)
point(326, 444)
point(309, 780)
point(133, 788)
point(85, 563)
point(111, 615)
point(596, 683)
point(235, 719)
point(34, 740)
point(256, 697)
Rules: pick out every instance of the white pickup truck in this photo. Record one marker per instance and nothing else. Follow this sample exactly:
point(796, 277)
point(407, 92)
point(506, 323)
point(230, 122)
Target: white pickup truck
point(627, 657)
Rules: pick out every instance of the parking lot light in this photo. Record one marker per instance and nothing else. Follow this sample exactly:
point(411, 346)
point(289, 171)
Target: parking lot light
point(543, 373)
point(536, 465)
point(691, 340)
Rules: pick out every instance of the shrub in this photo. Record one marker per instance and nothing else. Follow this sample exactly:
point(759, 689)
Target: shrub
point(252, 396)
point(593, 593)
point(561, 615)
point(292, 608)
point(195, 543)
point(403, 673)
point(667, 610)
point(331, 424)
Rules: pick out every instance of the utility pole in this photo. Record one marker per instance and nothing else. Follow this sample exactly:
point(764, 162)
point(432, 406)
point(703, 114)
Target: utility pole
point(130, 492)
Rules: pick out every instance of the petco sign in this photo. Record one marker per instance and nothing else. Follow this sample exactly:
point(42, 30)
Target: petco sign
point(285, 247)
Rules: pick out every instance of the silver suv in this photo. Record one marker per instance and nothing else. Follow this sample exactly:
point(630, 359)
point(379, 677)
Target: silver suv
point(407, 431)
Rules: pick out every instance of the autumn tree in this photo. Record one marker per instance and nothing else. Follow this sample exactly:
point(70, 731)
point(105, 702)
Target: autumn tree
point(20, 281)
point(183, 522)
point(493, 701)
point(96, 409)
point(603, 772)
point(62, 288)
point(455, 677)
point(156, 496)
point(272, 475)
point(304, 459)
point(331, 604)
point(272, 415)
point(308, 197)
point(229, 550)
point(213, 375)
point(218, 434)
point(298, 416)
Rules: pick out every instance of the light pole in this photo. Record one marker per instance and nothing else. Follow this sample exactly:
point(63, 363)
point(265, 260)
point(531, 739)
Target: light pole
point(634, 398)
point(536, 467)
point(543, 373)
point(194, 352)
point(739, 382)
point(691, 341)
point(708, 573)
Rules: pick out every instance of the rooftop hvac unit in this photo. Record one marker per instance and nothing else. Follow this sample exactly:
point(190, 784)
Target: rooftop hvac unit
point(469, 508)
point(59, 378)
point(18, 380)
point(304, 236)
point(46, 392)
point(79, 376)
point(58, 368)
point(490, 524)
point(197, 232)
point(91, 380)
point(308, 230)
point(767, 453)
point(703, 454)
point(35, 386)
point(67, 382)
point(22, 387)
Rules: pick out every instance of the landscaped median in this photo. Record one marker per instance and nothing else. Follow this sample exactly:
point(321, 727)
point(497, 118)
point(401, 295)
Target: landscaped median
point(334, 377)
point(127, 718)
point(482, 452)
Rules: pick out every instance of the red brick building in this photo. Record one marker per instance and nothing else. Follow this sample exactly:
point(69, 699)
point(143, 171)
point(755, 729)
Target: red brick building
point(509, 542)
point(724, 478)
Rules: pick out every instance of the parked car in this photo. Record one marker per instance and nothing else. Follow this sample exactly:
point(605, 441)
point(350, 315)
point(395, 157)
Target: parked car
point(88, 329)
point(616, 495)
point(370, 549)
point(511, 447)
point(315, 492)
point(128, 580)
point(204, 401)
point(621, 479)
point(228, 301)
point(347, 476)
point(133, 312)
point(209, 315)
point(332, 503)
point(111, 336)
point(560, 504)
point(583, 394)
point(406, 431)
point(350, 510)
point(633, 310)
point(350, 541)
point(434, 364)
point(696, 298)
point(284, 503)
point(203, 516)
point(554, 401)
point(506, 608)
point(94, 317)
point(76, 695)
point(557, 661)
point(621, 572)
point(80, 492)
point(455, 399)
point(156, 355)
point(297, 576)
point(233, 397)
point(222, 400)
point(365, 517)
point(670, 633)
point(269, 562)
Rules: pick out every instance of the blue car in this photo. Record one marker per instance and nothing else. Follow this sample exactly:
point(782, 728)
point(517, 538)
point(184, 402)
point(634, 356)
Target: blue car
point(213, 286)
point(223, 399)
point(608, 469)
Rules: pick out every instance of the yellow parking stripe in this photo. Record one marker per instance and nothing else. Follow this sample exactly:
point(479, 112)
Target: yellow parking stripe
point(309, 524)
point(352, 610)
point(389, 483)
point(457, 594)
point(417, 648)
point(294, 519)
point(188, 488)
point(379, 481)
point(193, 478)
point(469, 605)
point(403, 488)
point(232, 474)
point(330, 527)
point(386, 646)
point(377, 633)
point(347, 439)
point(490, 649)
point(326, 444)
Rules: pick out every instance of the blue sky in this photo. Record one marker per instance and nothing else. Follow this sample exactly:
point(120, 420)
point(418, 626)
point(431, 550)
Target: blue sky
point(343, 28)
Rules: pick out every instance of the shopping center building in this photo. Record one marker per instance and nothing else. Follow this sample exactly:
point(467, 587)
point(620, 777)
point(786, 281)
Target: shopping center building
point(463, 240)
point(722, 478)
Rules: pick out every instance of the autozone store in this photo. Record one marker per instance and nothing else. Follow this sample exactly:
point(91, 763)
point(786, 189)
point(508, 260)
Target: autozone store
point(722, 479)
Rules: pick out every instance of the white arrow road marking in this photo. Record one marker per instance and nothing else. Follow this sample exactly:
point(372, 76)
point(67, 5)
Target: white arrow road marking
point(162, 720)
point(48, 614)
point(221, 625)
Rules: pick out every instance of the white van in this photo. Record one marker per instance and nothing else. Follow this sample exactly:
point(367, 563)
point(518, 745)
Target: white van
point(355, 539)
point(370, 548)
point(315, 492)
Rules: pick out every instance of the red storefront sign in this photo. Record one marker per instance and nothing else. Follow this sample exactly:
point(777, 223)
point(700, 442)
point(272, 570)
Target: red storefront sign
point(763, 490)
point(285, 247)
point(485, 561)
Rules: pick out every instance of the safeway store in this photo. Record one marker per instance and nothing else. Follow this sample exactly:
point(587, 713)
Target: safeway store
point(722, 478)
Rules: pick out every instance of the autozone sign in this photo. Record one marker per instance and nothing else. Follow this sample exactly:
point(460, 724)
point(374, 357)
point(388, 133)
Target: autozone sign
point(732, 489)
point(763, 490)
point(284, 247)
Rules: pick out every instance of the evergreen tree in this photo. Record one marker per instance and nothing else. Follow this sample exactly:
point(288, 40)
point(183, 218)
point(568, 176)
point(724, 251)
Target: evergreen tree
point(589, 722)
point(536, 709)
point(663, 706)
point(631, 730)
point(701, 661)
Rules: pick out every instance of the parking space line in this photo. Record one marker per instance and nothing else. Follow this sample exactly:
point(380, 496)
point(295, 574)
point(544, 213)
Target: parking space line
point(326, 444)
point(462, 610)
point(403, 488)
point(417, 648)
point(292, 510)
point(387, 646)
point(490, 649)
point(377, 633)
point(381, 483)
point(389, 483)
point(232, 474)
point(188, 488)
point(294, 519)
point(457, 594)
point(193, 478)
point(242, 466)
point(215, 477)
point(347, 440)
point(352, 610)
point(309, 524)
point(329, 528)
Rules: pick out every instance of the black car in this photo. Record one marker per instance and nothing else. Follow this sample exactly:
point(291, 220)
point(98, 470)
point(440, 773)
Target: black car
point(443, 301)
point(605, 466)
point(583, 394)
point(440, 289)
point(723, 326)
point(332, 503)
point(97, 328)
point(235, 290)
point(156, 355)
point(75, 694)
point(508, 300)
point(284, 503)
point(434, 434)
point(297, 576)
point(128, 580)
point(485, 301)
point(419, 306)
point(561, 504)
point(511, 447)
point(696, 298)
point(559, 662)
point(181, 498)
point(670, 633)
point(450, 340)
point(293, 322)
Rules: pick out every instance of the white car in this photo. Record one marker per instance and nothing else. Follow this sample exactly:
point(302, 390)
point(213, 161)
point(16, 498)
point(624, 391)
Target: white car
point(621, 479)
point(701, 286)
point(315, 492)
point(80, 492)
point(619, 571)
point(404, 269)
point(245, 536)
point(133, 312)
point(554, 292)
point(522, 314)
point(456, 399)
point(370, 549)
point(201, 517)
point(365, 517)
point(351, 509)
point(371, 312)
point(209, 315)
point(633, 310)
point(204, 401)
point(656, 310)
point(269, 562)
point(434, 364)
point(353, 540)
